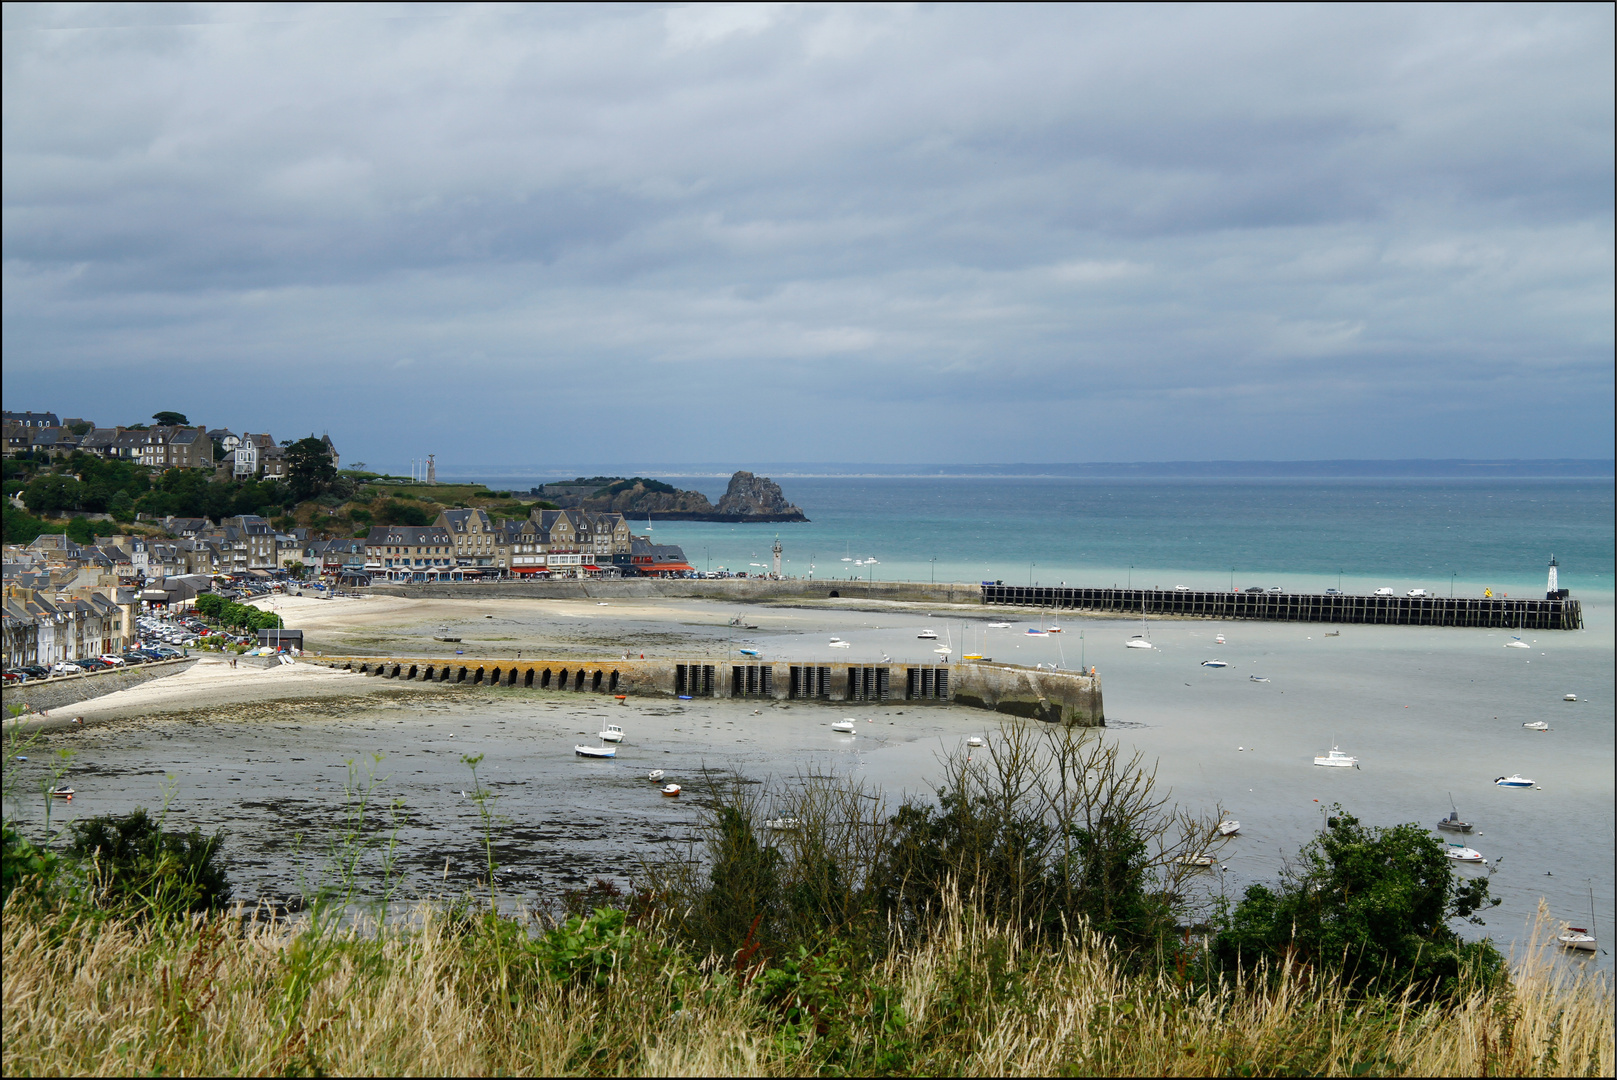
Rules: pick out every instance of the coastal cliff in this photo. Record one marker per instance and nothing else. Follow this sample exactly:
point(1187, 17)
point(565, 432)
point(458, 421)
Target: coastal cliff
point(749, 498)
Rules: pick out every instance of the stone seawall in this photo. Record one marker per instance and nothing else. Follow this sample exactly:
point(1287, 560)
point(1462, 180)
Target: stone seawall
point(60, 692)
point(730, 590)
point(1054, 696)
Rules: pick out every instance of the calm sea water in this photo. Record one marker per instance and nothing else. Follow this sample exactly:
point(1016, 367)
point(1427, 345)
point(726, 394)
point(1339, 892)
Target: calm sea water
point(1206, 533)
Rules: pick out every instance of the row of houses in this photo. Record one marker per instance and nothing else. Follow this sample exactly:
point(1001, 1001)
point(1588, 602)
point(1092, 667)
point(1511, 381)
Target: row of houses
point(162, 447)
point(546, 544)
point(50, 626)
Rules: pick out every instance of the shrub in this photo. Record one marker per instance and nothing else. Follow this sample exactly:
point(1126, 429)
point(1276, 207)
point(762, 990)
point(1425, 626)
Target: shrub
point(133, 864)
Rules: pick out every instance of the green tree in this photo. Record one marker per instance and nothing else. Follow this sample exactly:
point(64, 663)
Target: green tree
point(394, 512)
point(79, 531)
point(1372, 903)
point(81, 428)
point(172, 419)
point(50, 493)
point(21, 526)
point(121, 506)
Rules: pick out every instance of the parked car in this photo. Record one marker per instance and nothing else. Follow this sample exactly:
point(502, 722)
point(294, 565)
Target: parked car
point(1255, 589)
point(110, 659)
point(62, 667)
point(133, 657)
point(1181, 588)
point(1276, 591)
point(1333, 592)
point(14, 676)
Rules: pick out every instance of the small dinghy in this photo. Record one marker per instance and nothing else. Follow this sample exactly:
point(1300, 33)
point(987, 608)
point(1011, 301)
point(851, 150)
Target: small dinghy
point(838, 643)
point(847, 727)
point(999, 626)
point(1229, 827)
point(749, 652)
point(1214, 663)
point(1336, 760)
point(613, 734)
point(1536, 725)
point(61, 791)
point(670, 791)
point(1257, 678)
point(655, 776)
point(975, 741)
point(596, 751)
point(1461, 853)
point(1569, 697)
point(1515, 780)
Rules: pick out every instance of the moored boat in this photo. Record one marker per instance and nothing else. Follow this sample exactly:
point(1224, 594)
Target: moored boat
point(655, 775)
point(1214, 663)
point(1536, 725)
point(1461, 853)
point(1336, 760)
point(1581, 938)
point(847, 727)
point(1229, 827)
point(928, 634)
point(596, 751)
point(975, 741)
point(1452, 823)
point(1201, 858)
point(61, 791)
point(670, 790)
point(1515, 780)
point(612, 734)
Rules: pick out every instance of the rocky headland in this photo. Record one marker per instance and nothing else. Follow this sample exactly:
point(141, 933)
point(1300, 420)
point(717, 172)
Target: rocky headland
point(749, 498)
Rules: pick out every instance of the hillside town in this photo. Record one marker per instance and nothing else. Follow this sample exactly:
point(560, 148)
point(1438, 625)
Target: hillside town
point(76, 600)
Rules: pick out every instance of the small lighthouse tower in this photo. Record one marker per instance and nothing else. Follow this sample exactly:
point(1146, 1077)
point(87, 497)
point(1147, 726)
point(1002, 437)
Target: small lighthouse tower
point(1554, 592)
point(776, 550)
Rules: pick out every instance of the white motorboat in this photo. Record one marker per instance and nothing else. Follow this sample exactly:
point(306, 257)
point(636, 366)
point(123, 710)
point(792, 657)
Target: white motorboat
point(1581, 938)
point(1569, 697)
point(1214, 663)
point(928, 634)
point(671, 790)
point(846, 727)
point(1461, 853)
point(1336, 760)
point(1229, 827)
point(1201, 858)
point(613, 734)
point(655, 775)
point(1517, 643)
point(838, 643)
point(596, 751)
point(1515, 780)
point(1052, 629)
point(1536, 725)
point(975, 741)
point(61, 791)
point(1257, 678)
point(943, 650)
point(999, 626)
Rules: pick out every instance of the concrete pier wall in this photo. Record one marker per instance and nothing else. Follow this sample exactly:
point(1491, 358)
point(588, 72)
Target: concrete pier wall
point(1057, 697)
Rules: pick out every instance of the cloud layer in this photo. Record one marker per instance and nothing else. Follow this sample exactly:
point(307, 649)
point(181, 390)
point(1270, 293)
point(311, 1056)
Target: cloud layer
point(522, 235)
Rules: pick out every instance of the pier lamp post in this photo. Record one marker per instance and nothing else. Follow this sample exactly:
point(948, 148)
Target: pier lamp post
point(1338, 581)
point(1232, 579)
point(1030, 567)
point(1131, 576)
point(1452, 575)
point(934, 569)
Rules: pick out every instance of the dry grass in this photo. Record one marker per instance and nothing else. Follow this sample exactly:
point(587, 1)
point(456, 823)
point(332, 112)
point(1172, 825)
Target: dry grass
point(439, 997)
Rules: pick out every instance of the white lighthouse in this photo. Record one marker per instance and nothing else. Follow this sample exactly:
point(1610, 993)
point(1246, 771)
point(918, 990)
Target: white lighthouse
point(776, 550)
point(1552, 587)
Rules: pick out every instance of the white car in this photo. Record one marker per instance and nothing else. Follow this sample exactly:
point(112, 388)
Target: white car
point(1181, 588)
point(115, 661)
point(1417, 592)
point(1383, 592)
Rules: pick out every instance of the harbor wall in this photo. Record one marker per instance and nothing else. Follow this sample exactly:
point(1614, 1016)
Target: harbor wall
point(1498, 613)
point(734, 590)
point(56, 693)
point(1064, 697)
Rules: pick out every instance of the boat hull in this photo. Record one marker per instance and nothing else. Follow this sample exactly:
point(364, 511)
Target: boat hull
point(596, 751)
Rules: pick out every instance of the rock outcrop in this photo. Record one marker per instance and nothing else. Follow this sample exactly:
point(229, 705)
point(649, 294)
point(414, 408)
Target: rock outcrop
point(757, 496)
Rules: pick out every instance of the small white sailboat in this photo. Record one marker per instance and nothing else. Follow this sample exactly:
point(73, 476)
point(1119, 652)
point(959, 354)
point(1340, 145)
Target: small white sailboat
point(1515, 780)
point(1461, 853)
point(1142, 640)
point(1214, 663)
point(847, 556)
point(1536, 725)
point(846, 727)
point(1336, 760)
point(612, 734)
point(1229, 827)
point(943, 650)
point(596, 751)
point(655, 776)
point(1581, 938)
point(999, 626)
point(1517, 643)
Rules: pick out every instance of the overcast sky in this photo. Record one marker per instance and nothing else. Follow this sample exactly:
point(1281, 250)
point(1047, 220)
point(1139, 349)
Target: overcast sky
point(525, 236)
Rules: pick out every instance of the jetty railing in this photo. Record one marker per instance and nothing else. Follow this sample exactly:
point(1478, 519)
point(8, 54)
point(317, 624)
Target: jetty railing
point(1499, 613)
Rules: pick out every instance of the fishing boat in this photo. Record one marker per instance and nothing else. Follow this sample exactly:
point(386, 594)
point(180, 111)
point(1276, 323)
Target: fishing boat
point(1461, 853)
point(596, 751)
point(1229, 827)
point(1536, 725)
point(613, 734)
point(655, 775)
point(1333, 633)
point(975, 741)
point(1336, 760)
point(928, 634)
point(1515, 780)
point(847, 727)
point(1452, 823)
point(1214, 663)
point(1581, 938)
point(671, 791)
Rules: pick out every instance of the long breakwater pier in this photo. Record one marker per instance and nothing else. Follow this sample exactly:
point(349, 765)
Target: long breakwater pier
point(1499, 613)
